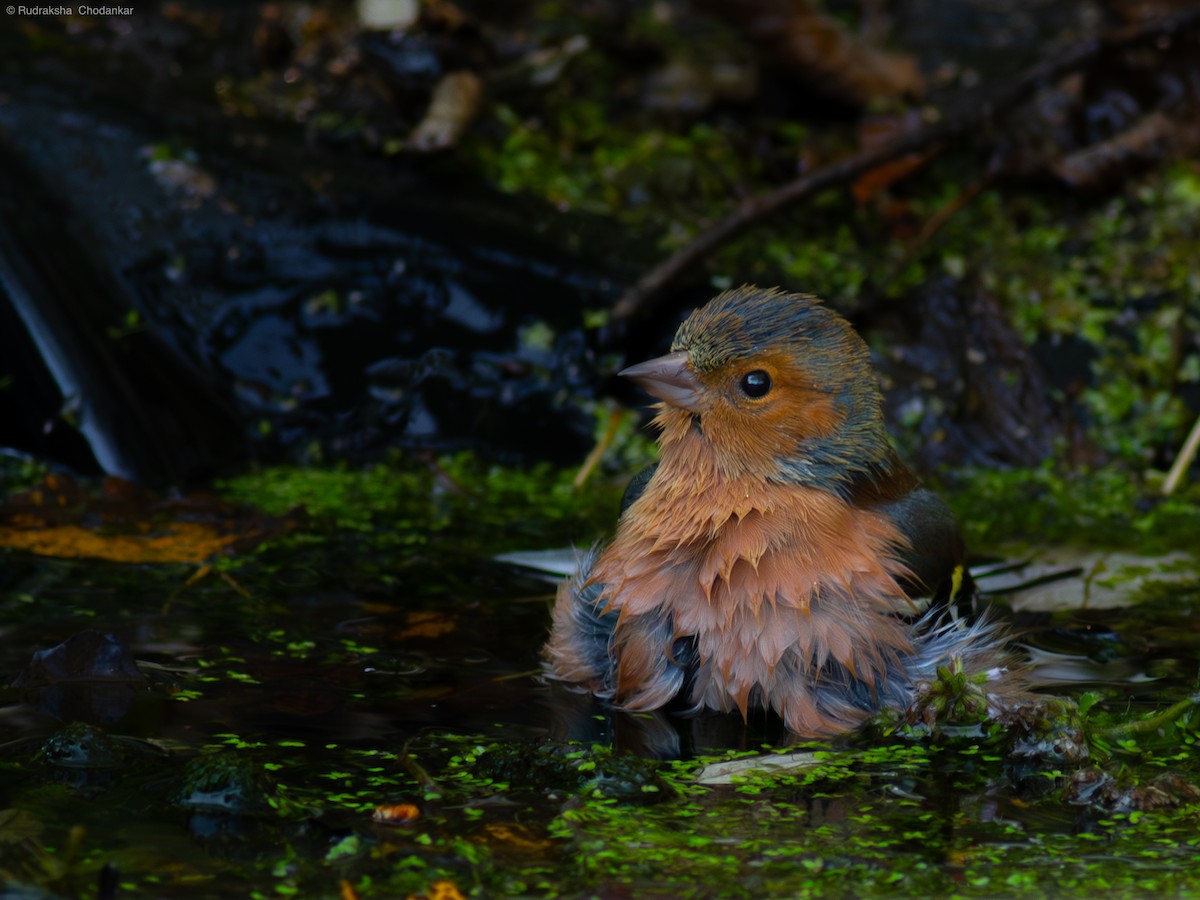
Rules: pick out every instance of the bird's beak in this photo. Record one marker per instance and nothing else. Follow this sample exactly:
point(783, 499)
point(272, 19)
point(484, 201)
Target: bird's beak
point(668, 378)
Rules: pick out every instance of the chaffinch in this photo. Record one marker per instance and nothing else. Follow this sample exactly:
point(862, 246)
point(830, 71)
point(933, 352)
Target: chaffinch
point(775, 556)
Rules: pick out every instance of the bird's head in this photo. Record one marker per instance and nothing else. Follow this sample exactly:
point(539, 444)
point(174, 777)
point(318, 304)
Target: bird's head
point(778, 385)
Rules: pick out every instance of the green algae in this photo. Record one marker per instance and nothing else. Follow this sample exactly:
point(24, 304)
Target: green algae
point(872, 822)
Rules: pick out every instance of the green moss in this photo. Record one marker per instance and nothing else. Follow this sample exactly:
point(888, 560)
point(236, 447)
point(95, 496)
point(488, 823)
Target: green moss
point(1102, 508)
point(19, 473)
point(645, 177)
point(483, 507)
point(1118, 274)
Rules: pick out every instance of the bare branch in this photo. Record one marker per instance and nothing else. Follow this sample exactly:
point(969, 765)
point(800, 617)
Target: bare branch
point(642, 295)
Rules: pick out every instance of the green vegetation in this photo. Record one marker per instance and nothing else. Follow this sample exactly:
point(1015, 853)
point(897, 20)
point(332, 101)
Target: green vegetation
point(1104, 508)
point(453, 503)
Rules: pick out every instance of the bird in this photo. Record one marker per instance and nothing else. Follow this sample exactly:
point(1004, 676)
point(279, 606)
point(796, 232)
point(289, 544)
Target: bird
point(778, 554)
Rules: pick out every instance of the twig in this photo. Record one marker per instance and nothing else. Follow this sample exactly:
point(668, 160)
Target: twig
point(943, 215)
point(417, 771)
point(648, 288)
point(1184, 459)
point(440, 473)
point(615, 418)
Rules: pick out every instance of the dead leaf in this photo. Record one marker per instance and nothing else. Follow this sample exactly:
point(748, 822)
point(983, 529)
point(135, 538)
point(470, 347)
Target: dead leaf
point(516, 838)
point(18, 825)
point(772, 763)
point(817, 47)
point(440, 890)
point(396, 814)
point(427, 624)
point(452, 108)
point(388, 15)
point(124, 523)
point(878, 131)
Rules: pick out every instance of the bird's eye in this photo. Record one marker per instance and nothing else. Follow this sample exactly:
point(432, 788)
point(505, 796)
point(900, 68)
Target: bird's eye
point(756, 384)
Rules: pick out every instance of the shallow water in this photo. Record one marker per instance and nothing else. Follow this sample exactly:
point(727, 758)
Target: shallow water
point(269, 716)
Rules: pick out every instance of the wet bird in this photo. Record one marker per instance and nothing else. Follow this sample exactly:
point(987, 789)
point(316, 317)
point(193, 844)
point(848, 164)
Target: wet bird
point(777, 555)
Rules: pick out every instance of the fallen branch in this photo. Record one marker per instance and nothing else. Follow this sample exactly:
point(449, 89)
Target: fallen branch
point(646, 291)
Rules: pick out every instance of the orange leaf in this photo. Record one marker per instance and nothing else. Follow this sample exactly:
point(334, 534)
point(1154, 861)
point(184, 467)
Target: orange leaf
point(396, 814)
point(427, 624)
point(516, 838)
point(124, 523)
point(186, 542)
point(440, 890)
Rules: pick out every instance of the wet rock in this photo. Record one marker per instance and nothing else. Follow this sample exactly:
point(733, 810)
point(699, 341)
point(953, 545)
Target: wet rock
point(206, 289)
point(1102, 790)
point(86, 656)
point(224, 783)
point(572, 769)
point(82, 746)
point(90, 677)
point(1105, 578)
point(965, 383)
